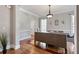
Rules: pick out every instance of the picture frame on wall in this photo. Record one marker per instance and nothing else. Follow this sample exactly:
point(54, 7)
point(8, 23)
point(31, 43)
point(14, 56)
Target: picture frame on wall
point(62, 22)
point(56, 22)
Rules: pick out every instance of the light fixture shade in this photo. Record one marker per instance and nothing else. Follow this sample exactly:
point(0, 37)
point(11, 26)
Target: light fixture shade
point(49, 15)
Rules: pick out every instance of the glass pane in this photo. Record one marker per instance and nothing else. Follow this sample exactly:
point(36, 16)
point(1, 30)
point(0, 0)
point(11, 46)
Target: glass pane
point(43, 25)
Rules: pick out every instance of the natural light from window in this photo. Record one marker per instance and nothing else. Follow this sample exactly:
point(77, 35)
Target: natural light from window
point(43, 25)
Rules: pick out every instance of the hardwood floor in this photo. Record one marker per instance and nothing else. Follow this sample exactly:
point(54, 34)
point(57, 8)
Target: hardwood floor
point(27, 47)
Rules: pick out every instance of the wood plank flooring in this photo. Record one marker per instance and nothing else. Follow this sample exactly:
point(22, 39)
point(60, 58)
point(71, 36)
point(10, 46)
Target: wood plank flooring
point(27, 47)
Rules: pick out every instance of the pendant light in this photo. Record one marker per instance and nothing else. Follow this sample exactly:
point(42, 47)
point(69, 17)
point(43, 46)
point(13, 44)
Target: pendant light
point(49, 15)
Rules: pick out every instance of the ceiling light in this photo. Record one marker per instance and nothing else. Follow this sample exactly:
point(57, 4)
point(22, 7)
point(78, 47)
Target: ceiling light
point(49, 15)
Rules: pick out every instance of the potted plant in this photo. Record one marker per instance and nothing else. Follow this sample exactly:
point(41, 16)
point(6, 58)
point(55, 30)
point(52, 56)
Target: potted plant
point(3, 40)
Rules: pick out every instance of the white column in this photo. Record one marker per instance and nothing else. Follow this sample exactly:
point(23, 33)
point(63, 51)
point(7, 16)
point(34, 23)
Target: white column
point(76, 36)
point(13, 40)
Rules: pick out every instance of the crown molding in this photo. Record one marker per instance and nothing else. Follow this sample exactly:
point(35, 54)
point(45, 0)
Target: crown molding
point(26, 11)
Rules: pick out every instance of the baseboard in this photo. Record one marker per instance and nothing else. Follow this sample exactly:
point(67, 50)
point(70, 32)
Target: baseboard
point(17, 47)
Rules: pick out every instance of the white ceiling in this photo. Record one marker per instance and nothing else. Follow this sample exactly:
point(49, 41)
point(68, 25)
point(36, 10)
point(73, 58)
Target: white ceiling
point(42, 10)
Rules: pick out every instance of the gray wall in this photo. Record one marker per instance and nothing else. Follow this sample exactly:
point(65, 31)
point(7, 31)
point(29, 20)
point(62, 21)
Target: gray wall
point(5, 23)
point(64, 17)
point(26, 24)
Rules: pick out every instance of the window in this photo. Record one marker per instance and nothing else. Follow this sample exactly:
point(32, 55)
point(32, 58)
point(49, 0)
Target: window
point(43, 25)
point(73, 25)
